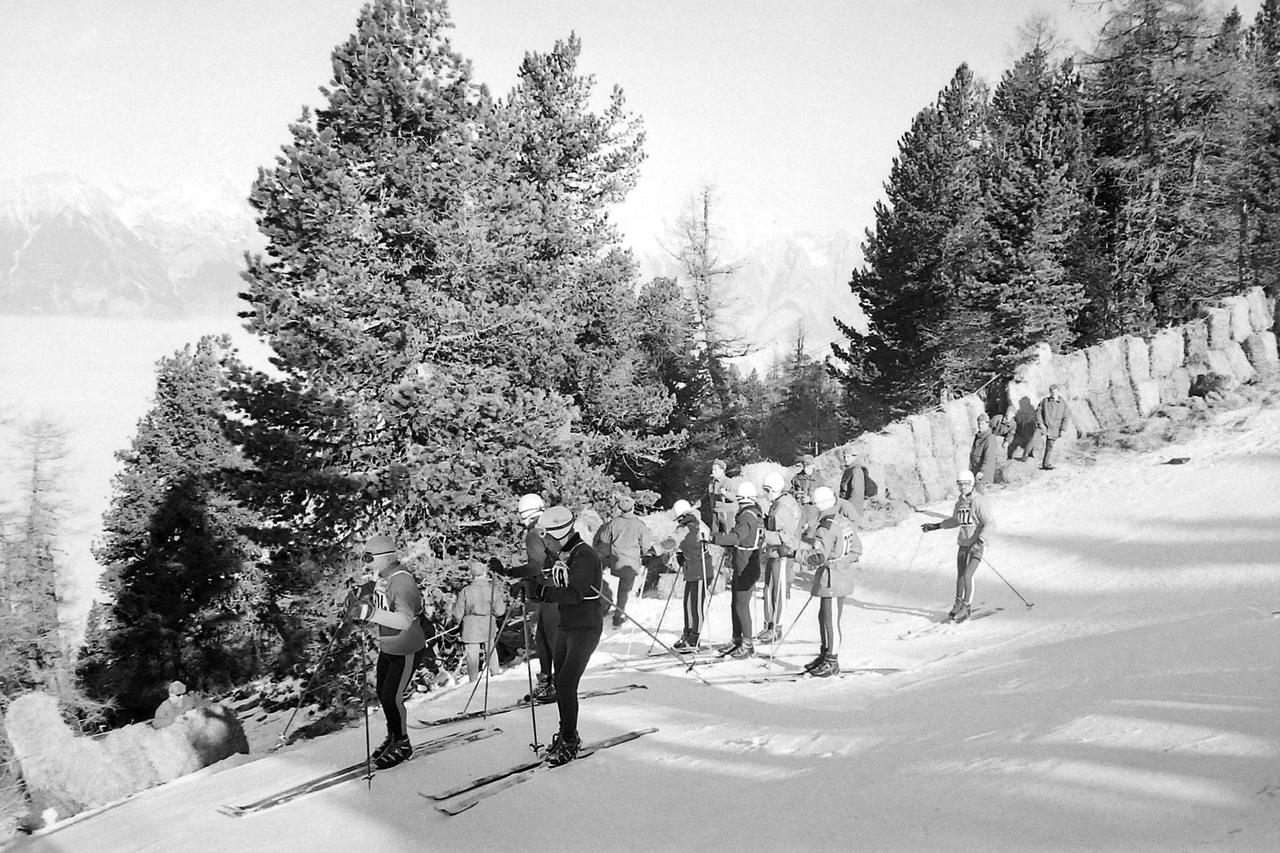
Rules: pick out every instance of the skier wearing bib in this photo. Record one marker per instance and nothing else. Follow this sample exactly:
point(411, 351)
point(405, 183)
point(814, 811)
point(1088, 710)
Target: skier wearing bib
point(574, 583)
point(973, 516)
point(695, 563)
point(395, 608)
point(834, 551)
point(745, 539)
point(781, 539)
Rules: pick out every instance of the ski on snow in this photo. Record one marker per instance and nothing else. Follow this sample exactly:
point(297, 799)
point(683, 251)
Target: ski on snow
point(353, 771)
point(471, 793)
point(778, 677)
point(515, 706)
point(980, 614)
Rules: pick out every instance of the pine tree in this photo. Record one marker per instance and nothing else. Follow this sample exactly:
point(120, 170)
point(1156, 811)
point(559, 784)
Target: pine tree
point(808, 413)
point(184, 597)
point(919, 285)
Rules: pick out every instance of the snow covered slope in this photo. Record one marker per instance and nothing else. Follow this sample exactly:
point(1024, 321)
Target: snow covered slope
point(1135, 707)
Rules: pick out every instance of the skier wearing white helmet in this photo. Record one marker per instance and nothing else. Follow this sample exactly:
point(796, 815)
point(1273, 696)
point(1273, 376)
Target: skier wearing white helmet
point(695, 562)
point(745, 539)
point(546, 614)
point(781, 539)
point(973, 516)
point(834, 552)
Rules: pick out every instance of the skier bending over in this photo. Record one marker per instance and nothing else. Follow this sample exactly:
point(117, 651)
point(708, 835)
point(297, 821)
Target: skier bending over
point(834, 553)
point(574, 582)
point(395, 608)
point(972, 515)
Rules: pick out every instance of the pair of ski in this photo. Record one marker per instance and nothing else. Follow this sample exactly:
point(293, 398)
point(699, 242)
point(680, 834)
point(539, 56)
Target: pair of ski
point(459, 799)
point(779, 677)
point(515, 706)
point(973, 617)
point(353, 771)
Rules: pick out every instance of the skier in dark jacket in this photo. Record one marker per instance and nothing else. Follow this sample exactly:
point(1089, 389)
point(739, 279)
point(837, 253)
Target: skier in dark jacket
point(984, 454)
point(853, 482)
point(574, 582)
point(546, 614)
point(745, 539)
point(695, 563)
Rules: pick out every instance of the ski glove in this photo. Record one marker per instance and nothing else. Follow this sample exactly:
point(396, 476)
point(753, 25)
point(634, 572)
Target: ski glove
point(363, 611)
point(929, 526)
point(558, 574)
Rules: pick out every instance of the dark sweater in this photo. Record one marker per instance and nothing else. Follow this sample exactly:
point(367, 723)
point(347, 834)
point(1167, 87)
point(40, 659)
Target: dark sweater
point(579, 602)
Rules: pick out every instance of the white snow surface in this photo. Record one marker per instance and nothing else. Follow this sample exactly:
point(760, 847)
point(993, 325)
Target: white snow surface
point(1136, 706)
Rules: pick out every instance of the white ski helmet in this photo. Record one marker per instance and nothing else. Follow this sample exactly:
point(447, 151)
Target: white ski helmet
point(965, 478)
point(823, 498)
point(681, 508)
point(773, 482)
point(530, 507)
point(746, 491)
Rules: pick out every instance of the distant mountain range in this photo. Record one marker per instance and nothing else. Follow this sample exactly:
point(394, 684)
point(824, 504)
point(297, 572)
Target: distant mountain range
point(70, 248)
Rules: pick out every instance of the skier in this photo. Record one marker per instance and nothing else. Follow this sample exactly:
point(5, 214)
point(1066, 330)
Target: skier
point(478, 604)
point(623, 548)
point(574, 583)
point(834, 549)
point(546, 614)
point(1051, 420)
point(395, 608)
point(178, 703)
point(717, 507)
point(853, 482)
point(983, 454)
point(973, 516)
point(695, 562)
point(781, 538)
point(745, 538)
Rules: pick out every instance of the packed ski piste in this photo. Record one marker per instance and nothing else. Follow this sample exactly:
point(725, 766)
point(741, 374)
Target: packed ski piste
point(797, 681)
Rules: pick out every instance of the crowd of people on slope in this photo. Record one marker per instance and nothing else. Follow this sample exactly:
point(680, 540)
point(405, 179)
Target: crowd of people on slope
point(766, 534)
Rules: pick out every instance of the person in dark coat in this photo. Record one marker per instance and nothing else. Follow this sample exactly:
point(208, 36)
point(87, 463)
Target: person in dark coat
point(574, 582)
point(745, 539)
point(984, 454)
point(546, 614)
point(853, 482)
point(695, 564)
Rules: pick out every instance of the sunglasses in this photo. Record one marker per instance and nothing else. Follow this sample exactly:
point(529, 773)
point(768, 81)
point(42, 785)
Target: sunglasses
point(367, 557)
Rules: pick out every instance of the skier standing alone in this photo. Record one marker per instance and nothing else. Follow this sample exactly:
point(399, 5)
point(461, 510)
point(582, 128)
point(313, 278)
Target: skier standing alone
point(972, 515)
point(834, 552)
point(574, 583)
point(395, 609)
point(745, 538)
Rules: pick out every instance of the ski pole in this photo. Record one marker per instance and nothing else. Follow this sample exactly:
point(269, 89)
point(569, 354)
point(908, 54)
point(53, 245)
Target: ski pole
point(663, 615)
point(337, 632)
point(1006, 583)
point(364, 707)
point(528, 666)
point(501, 627)
point(910, 562)
point(671, 651)
point(493, 593)
point(803, 608)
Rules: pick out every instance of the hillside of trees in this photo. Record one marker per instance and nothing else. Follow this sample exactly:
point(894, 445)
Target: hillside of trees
point(456, 321)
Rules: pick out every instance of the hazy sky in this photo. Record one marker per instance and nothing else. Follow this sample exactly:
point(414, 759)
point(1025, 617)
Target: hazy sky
point(790, 109)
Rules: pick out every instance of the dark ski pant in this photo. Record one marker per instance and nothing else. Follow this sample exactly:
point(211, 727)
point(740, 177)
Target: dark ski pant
point(695, 599)
point(967, 559)
point(574, 647)
point(828, 620)
point(744, 585)
point(626, 576)
point(546, 625)
point(394, 678)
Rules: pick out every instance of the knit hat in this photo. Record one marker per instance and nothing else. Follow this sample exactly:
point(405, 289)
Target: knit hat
point(380, 544)
point(557, 522)
point(625, 504)
point(177, 688)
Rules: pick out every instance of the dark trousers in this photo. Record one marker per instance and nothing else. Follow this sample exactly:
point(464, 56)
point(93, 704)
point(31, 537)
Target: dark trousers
point(394, 675)
point(574, 647)
point(546, 625)
point(1048, 449)
point(626, 576)
point(967, 559)
point(741, 616)
point(695, 599)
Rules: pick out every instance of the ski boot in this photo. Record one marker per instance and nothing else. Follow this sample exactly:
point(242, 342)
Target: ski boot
point(725, 648)
point(383, 747)
point(745, 649)
point(816, 662)
point(398, 752)
point(687, 643)
point(768, 635)
point(955, 608)
point(545, 692)
point(961, 614)
point(563, 749)
point(828, 668)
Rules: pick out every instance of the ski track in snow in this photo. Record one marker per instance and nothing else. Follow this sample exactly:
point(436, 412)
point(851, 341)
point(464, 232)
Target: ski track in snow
point(1136, 706)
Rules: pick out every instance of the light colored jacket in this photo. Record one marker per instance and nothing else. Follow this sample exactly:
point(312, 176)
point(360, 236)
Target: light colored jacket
point(471, 608)
point(625, 543)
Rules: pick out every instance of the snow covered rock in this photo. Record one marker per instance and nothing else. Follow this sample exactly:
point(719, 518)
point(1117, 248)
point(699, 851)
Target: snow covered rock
point(1260, 348)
